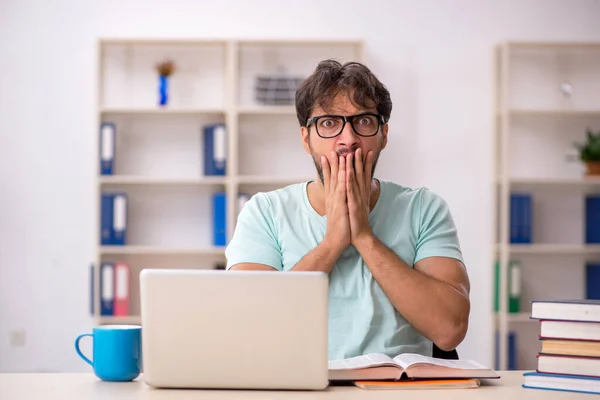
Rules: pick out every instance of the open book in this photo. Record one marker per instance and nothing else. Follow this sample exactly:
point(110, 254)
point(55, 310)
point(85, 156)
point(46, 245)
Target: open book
point(377, 366)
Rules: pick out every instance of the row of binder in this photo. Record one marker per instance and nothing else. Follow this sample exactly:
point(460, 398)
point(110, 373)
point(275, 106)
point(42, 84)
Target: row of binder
point(514, 279)
point(115, 288)
point(220, 215)
point(521, 218)
point(514, 288)
point(511, 350)
point(214, 146)
point(114, 221)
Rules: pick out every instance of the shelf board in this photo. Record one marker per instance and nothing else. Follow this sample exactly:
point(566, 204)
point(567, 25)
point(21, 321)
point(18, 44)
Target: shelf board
point(126, 320)
point(161, 250)
point(557, 45)
point(554, 112)
point(224, 41)
point(150, 180)
point(270, 180)
point(161, 41)
point(216, 180)
point(524, 316)
point(267, 110)
point(302, 42)
point(583, 181)
point(553, 249)
point(161, 111)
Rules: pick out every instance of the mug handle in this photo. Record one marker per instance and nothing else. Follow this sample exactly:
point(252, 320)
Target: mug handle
point(87, 360)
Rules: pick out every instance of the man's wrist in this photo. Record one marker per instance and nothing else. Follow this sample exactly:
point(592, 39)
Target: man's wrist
point(330, 248)
point(365, 241)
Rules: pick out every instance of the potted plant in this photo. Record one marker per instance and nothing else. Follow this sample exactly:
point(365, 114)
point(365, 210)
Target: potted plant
point(589, 152)
point(165, 69)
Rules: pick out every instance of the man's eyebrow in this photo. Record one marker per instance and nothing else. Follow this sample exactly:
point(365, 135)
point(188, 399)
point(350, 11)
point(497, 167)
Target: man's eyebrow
point(337, 113)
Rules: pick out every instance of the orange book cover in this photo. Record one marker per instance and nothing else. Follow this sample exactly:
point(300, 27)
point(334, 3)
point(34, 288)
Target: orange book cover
point(419, 384)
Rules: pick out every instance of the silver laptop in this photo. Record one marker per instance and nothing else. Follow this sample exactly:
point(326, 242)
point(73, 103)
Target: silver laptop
point(234, 329)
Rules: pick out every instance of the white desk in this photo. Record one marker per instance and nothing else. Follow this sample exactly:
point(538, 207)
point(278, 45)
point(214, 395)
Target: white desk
point(88, 387)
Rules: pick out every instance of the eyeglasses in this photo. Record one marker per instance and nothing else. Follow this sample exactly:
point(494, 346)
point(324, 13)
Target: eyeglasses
point(330, 126)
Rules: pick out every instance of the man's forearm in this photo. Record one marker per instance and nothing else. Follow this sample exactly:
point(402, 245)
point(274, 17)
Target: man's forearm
point(321, 258)
point(434, 308)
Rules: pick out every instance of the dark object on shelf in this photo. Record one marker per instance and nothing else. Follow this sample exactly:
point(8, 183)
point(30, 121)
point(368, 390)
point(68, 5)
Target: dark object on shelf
point(276, 89)
point(220, 266)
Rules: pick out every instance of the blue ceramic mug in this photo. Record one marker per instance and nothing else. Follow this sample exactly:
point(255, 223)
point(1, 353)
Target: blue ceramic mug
point(117, 352)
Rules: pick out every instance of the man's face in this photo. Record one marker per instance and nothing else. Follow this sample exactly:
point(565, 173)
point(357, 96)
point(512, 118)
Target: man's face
point(346, 142)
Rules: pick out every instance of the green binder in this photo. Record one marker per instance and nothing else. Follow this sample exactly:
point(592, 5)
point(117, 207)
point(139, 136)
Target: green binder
point(514, 286)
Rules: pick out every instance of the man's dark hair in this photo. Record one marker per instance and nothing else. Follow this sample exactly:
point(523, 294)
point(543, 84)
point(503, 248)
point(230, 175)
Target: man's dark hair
point(330, 78)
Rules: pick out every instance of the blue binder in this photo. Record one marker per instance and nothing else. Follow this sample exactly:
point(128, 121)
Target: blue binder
point(107, 288)
point(592, 281)
point(106, 219)
point(521, 216)
point(511, 350)
point(215, 150)
point(527, 228)
point(119, 222)
point(108, 132)
point(219, 219)
point(592, 219)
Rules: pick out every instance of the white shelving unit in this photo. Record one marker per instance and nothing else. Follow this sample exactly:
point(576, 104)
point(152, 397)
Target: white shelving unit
point(267, 110)
point(159, 156)
point(552, 249)
point(536, 125)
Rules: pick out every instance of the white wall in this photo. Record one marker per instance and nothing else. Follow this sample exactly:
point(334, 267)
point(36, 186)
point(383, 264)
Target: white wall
point(435, 57)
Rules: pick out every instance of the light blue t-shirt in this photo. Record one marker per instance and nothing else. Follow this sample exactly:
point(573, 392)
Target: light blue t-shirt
point(278, 228)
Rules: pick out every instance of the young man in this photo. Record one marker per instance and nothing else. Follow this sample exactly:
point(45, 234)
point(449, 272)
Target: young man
point(397, 279)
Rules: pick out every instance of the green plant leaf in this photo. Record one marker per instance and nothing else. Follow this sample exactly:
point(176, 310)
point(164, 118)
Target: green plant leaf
point(590, 149)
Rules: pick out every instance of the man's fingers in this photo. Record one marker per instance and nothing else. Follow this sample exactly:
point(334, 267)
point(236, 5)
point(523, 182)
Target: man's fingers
point(333, 159)
point(350, 182)
point(341, 182)
point(349, 170)
point(370, 160)
point(360, 175)
point(326, 173)
point(369, 169)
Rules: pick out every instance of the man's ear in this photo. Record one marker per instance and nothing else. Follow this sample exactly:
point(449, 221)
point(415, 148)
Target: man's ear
point(384, 137)
point(304, 133)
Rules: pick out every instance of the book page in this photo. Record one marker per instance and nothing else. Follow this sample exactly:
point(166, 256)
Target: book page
point(365, 361)
point(407, 359)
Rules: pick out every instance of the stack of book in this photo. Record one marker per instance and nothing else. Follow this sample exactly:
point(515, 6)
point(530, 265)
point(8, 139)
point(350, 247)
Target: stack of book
point(569, 359)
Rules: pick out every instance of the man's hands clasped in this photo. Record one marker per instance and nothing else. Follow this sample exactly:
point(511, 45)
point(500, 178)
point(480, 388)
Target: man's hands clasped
point(347, 181)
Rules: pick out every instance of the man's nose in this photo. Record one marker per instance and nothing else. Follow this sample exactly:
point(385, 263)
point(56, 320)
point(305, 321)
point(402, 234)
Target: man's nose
point(348, 138)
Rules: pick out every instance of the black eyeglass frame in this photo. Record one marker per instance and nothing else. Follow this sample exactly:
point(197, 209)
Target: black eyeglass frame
point(348, 118)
